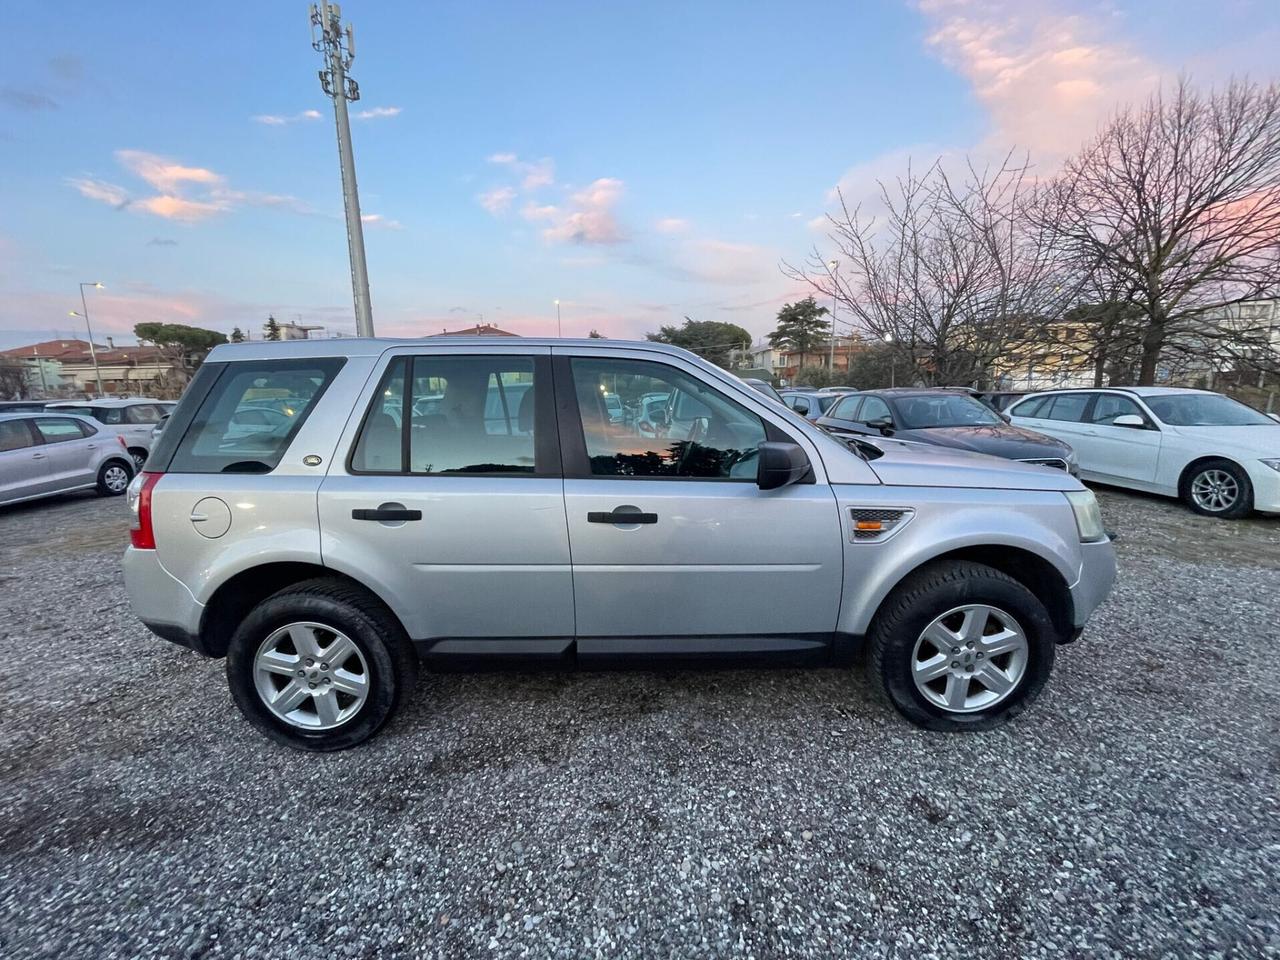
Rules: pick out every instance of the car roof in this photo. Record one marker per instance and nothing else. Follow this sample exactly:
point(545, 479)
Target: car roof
point(1135, 391)
point(104, 402)
point(375, 346)
point(892, 392)
point(29, 414)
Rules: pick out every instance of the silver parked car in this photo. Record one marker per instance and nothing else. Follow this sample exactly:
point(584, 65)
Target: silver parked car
point(133, 418)
point(46, 454)
point(515, 515)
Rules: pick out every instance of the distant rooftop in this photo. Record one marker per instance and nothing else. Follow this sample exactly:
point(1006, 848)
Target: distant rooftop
point(479, 330)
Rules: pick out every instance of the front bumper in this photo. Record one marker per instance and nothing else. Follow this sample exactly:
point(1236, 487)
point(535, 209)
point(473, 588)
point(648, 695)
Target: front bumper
point(162, 602)
point(1266, 488)
point(1097, 576)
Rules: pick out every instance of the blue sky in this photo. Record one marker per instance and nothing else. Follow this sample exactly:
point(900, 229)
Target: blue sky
point(640, 162)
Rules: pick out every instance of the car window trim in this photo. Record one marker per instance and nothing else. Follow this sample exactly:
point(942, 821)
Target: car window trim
point(575, 463)
point(546, 456)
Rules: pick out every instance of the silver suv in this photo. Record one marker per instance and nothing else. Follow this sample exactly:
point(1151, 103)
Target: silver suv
point(470, 498)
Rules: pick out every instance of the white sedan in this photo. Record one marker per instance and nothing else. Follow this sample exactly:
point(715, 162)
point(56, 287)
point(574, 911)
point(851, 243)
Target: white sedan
point(1218, 455)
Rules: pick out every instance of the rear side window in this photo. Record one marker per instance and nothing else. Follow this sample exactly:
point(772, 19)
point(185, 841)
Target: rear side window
point(142, 413)
point(59, 429)
point(14, 435)
point(1067, 406)
point(1030, 408)
point(455, 415)
point(227, 435)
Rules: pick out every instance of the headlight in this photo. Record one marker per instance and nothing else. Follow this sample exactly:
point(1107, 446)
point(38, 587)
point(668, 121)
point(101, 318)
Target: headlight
point(1273, 464)
point(1088, 517)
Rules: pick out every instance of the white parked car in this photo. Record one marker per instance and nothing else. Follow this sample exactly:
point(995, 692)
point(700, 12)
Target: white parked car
point(133, 418)
point(1217, 454)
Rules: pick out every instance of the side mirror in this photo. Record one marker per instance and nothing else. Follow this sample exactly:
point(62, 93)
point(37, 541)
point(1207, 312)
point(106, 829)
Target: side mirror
point(1131, 420)
point(1004, 416)
point(780, 464)
point(883, 424)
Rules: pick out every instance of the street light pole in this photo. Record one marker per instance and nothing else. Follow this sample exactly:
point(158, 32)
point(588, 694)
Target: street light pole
point(97, 374)
point(831, 362)
point(893, 361)
point(559, 329)
point(338, 47)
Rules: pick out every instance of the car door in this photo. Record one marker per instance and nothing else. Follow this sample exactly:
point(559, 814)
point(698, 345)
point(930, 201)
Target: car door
point(1118, 452)
point(710, 562)
point(71, 446)
point(843, 416)
point(1058, 415)
point(455, 507)
point(24, 466)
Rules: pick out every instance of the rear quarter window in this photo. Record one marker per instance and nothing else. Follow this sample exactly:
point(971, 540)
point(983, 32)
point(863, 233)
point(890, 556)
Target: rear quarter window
point(230, 433)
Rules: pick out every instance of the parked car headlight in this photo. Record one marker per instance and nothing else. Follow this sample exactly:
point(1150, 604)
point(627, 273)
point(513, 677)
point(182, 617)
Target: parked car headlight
point(1274, 464)
point(1088, 517)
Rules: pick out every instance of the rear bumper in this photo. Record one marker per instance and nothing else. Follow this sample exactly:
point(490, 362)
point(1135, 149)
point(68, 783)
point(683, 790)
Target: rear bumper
point(163, 603)
point(1097, 576)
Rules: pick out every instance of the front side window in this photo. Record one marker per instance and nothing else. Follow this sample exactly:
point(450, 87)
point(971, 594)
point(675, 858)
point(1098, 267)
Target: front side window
point(228, 436)
point(1033, 407)
point(463, 415)
point(873, 408)
point(58, 429)
point(846, 409)
point(1108, 406)
point(944, 410)
point(800, 405)
point(703, 434)
point(1066, 406)
point(14, 435)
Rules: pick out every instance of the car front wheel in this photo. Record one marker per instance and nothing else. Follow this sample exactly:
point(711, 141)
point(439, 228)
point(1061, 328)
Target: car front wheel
point(1218, 488)
point(320, 666)
point(961, 646)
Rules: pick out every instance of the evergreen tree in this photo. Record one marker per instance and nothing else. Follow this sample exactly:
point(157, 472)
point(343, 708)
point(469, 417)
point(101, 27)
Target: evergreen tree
point(237, 335)
point(271, 329)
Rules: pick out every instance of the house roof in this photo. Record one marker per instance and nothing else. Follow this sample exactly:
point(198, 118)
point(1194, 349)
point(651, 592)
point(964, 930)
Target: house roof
point(479, 330)
point(77, 351)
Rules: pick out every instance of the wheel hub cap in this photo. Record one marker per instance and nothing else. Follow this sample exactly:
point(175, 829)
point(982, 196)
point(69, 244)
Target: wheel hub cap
point(1215, 490)
point(311, 676)
point(970, 658)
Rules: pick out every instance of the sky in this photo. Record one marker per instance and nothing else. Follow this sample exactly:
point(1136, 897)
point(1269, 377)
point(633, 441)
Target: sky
point(640, 162)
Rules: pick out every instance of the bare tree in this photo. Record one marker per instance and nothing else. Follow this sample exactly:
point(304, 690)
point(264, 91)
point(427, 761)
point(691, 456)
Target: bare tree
point(13, 379)
point(957, 275)
point(1174, 210)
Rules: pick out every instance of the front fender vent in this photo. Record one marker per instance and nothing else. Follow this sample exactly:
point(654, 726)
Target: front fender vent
point(877, 524)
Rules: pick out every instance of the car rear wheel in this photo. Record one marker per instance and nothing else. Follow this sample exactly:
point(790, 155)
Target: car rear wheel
point(139, 458)
point(1218, 488)
point(961, 646)
point(320, 666)
point(114, 477)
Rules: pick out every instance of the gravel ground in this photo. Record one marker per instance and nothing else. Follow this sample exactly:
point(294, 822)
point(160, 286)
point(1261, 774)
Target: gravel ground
point(755, 813)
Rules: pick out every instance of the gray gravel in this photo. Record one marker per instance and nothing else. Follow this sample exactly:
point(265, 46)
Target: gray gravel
point(754, 813)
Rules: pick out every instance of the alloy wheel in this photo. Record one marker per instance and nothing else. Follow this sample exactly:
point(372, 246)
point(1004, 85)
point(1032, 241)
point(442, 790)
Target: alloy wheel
point(1215, 491)
point(311, 676)
point(139, 460)
point(970, 658)
point(115, 478)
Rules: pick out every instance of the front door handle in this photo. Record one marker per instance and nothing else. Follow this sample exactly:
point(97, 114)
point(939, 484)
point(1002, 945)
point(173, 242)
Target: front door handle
point(39, 456)
point(621, 517)
point(384, 514)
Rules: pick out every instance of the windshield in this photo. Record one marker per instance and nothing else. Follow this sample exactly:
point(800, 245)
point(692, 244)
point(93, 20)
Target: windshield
point(944, 410)
point(1205, 410)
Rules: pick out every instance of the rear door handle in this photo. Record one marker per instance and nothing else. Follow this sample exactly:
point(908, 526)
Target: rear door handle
point(386, 513)
point(621, 517)
point(38, 456)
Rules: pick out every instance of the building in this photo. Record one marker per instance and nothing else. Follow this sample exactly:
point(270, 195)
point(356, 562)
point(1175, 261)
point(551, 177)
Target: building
point(68, 367)
point(822, 355)
point(479, 330)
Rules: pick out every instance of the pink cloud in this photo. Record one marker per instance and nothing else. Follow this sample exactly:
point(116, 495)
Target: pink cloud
point(1047, 77)
point(178, 208)
point(590, 217)
point(498, 200)
point(101, 191)
point(161, 172)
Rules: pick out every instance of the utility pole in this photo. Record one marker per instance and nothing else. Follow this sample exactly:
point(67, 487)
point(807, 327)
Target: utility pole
point(831, 363)
point(338, 47)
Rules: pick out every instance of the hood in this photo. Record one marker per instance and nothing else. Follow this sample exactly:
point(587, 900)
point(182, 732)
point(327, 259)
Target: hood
point(1257, 441)
point(999, 440)
point(907, 463)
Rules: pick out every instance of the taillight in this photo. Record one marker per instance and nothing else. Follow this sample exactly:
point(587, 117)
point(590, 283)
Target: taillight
point(141, 534)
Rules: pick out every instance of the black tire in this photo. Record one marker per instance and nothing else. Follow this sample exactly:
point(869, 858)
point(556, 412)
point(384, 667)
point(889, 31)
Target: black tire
point(928, 594)
point(392, 662)
point(108, 473)
point(139, 458)
point(1242, 506)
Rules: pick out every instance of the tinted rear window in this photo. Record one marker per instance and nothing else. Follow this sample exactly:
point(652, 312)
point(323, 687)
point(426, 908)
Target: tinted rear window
point(251, 415)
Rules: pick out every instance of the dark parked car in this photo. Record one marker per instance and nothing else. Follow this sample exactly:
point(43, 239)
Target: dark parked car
point(810, 404)
point(761, 386)
point(945, 418)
